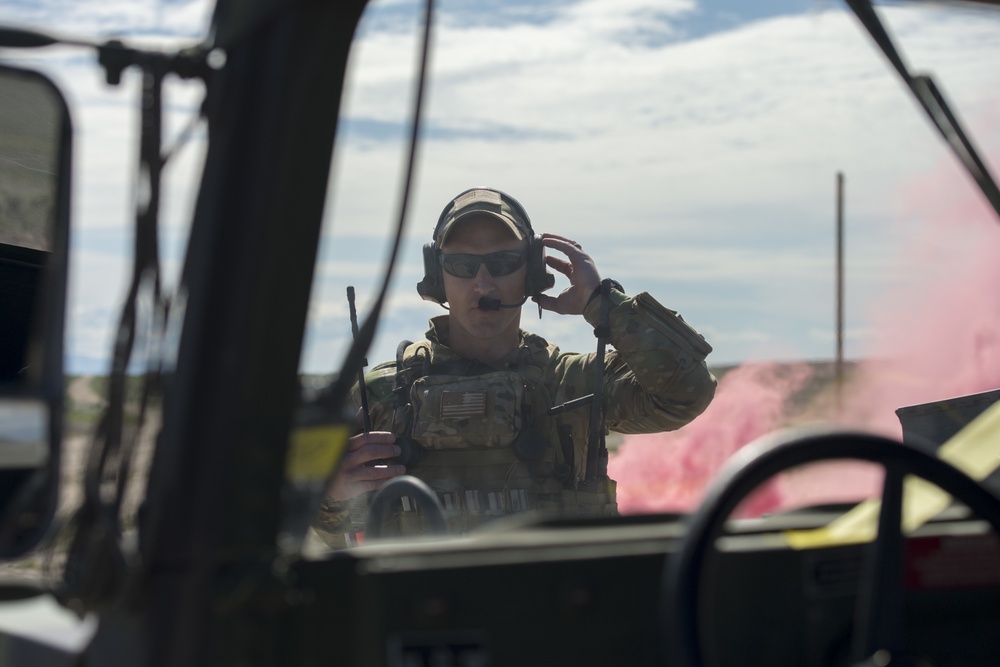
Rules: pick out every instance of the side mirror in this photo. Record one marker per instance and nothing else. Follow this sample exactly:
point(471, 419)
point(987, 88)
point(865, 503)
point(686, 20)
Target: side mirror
point(35, 162)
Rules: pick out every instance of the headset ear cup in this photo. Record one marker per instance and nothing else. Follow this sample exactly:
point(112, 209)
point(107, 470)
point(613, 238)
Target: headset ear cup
point(539, 279)
point(431, 287)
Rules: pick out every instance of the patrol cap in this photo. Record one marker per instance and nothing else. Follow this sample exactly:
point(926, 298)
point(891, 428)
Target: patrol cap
point(494, 203)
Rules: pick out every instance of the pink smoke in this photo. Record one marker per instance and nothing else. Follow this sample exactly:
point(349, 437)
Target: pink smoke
point(936, 336)
point(939, 335)
point(669, 471)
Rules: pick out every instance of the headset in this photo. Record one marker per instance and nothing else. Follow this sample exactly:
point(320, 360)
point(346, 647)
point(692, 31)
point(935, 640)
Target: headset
point(537, 280)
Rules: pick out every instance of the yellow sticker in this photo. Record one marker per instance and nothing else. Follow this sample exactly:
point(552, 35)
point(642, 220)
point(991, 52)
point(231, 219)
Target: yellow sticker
point(314, 451)
point(975, 450)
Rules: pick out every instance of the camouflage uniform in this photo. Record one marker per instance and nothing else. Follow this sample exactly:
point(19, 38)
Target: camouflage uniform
point(465, 415)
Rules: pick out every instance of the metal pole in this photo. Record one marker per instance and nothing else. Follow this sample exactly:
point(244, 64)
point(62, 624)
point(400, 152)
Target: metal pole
point(839, 365)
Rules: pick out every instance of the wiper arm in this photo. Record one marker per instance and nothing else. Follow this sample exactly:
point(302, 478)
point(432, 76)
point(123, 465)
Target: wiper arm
point(932, 100)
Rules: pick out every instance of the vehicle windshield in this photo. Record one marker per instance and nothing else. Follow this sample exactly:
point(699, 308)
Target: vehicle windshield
point(701, 154)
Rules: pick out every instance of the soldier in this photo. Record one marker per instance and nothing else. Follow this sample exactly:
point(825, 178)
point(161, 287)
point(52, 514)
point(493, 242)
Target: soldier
point(495, 419)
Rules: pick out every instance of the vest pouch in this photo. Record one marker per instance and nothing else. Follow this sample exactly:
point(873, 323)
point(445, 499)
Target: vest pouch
point(530, 444)
point(596, 498)
point(456, 412)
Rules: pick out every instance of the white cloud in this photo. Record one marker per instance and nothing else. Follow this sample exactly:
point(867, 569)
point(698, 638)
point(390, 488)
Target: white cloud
point(92, 19)
point(757, 115)
point(701, 170)
point(695, 163)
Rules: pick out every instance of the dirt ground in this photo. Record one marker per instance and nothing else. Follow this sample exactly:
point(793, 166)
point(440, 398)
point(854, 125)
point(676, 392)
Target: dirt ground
point(81, 391)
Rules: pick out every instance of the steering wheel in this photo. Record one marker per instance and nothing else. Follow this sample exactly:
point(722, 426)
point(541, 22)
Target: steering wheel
point(386, 500)
point(880, 615)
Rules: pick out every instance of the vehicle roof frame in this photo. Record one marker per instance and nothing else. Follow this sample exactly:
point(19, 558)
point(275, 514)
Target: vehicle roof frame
point(213, 501)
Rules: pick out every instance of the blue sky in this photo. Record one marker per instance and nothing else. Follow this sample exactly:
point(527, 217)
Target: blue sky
point(691, 147)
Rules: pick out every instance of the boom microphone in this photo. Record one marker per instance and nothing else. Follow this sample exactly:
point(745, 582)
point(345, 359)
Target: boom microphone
point(489, 303)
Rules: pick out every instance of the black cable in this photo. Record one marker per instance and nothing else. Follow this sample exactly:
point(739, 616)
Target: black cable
point(354, 360)
point(97, 566)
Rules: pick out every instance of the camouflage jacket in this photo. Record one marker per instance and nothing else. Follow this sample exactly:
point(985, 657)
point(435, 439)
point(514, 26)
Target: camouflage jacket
point(655, 379)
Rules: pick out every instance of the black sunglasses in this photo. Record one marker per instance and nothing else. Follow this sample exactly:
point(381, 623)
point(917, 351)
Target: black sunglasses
point(502, 263)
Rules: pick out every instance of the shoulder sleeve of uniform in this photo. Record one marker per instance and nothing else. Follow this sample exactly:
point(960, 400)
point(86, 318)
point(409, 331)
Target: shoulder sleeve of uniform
point(378, 382)
point(642, 316)
point(664, 382)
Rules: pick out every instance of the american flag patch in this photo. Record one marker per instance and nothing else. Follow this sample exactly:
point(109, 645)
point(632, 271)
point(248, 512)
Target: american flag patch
point(463, 404)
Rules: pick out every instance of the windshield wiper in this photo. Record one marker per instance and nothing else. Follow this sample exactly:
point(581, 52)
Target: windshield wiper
point(932, 100)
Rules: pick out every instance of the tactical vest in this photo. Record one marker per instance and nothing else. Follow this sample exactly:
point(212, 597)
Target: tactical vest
point(487, 446)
